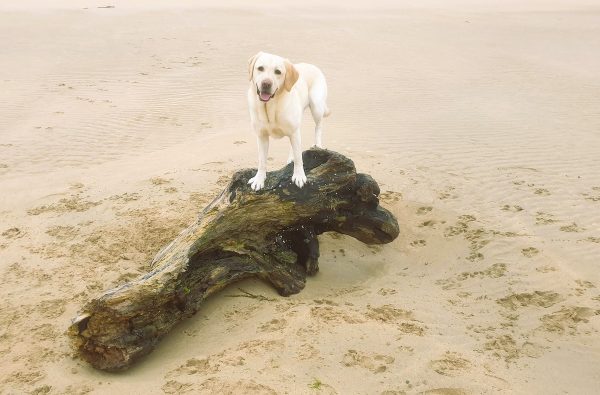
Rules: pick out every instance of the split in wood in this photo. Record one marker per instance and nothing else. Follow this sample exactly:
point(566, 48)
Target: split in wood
point(270, 234)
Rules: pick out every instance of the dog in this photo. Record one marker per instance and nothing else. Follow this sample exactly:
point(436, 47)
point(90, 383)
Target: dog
point(278, 94)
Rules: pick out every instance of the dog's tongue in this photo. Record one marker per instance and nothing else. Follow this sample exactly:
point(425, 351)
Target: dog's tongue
point(264, 96)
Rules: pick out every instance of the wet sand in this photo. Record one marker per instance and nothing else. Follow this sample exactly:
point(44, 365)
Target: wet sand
point(479, 120)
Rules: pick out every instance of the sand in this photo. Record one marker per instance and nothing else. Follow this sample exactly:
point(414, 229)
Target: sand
point(479, 119)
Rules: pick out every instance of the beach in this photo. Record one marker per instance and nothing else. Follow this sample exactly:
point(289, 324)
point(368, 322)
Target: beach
point(120, 121)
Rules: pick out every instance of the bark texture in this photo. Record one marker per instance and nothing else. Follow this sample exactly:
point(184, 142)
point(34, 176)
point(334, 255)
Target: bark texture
point(270, 234)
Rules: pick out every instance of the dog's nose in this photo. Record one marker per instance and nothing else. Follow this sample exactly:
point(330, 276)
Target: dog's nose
point(266, 85)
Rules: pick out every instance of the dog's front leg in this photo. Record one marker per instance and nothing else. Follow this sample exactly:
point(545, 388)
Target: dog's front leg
point(298, 178)
point(258, 181)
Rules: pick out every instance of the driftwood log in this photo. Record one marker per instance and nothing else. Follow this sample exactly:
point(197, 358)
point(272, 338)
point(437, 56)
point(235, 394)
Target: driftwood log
point(270, 234)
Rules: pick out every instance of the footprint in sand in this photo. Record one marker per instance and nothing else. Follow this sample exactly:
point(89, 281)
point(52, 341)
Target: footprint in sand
point(275, 325)
point(376, 363)
point(388, 314)
point(512, 208)
point(567, 319)
point(44, 389)
point(451, 364)
point(175, 387)
point(530, 252)
point(159, 181)
point(506, 347)
point(592, 198)
point(126, 197)
point(307, 351)
point(542, 218)
point(462, 225)
point(418, 243)
point(543, 299)
point(410, 328)
point(424, 210)
point(216, 385)
point(571, 228)
point(542, 192)
point(444, 391)
point(583, 286)
point(477, 237)
point(428, 224)
point(192, 366)
point(260, 347)
point(546, 269)
point(497, 270)
point(75, 203)
point(63, 232)
point(390, 196)
point(13, 233)
point(208, 365)
point(331, 314)
point(447, 194)
point(52, 308)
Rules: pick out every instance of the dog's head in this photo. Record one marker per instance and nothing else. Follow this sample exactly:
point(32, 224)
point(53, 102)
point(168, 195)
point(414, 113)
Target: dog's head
point(270, 74)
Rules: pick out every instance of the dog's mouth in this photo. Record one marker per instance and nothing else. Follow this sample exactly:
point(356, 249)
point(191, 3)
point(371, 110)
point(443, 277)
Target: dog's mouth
point(265, 96)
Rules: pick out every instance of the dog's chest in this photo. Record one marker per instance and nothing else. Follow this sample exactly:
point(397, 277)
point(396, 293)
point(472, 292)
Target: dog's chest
point(273, 130)
point(272, 122)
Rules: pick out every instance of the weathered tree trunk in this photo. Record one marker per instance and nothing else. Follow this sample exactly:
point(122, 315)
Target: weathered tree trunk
point(271, 234)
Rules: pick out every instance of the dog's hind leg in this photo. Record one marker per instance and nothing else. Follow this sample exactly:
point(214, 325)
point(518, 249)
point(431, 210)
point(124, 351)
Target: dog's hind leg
point(319, 110)
point(317, 114)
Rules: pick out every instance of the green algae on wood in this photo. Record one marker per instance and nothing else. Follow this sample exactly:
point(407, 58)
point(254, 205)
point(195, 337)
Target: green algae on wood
point(270, 234)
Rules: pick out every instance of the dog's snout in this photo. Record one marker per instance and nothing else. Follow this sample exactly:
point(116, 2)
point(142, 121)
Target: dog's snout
point(266, 85)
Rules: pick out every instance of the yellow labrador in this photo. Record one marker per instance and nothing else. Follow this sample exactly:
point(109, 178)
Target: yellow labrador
point(279, 93)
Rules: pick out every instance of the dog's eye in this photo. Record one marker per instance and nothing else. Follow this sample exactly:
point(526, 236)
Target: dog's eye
point(277, 72)
point(260, 68)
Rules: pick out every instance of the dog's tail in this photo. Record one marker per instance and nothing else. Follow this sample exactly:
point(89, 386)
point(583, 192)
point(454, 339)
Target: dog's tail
point(327, 111)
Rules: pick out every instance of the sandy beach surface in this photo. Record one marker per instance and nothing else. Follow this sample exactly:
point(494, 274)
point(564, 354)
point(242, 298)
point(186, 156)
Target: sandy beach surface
point(120, 121)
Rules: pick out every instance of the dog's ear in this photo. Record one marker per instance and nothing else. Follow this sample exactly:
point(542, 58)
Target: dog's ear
point(251, 63)
point(291, 75)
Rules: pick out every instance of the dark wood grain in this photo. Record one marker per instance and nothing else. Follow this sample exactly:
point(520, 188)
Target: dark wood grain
point(270, 234)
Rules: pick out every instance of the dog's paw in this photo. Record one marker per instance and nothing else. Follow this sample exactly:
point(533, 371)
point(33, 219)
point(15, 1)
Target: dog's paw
point(257, 182)
point(299, 179)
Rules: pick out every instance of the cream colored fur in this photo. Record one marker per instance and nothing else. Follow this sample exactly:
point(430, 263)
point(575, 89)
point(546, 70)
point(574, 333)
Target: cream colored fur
point(278, 94)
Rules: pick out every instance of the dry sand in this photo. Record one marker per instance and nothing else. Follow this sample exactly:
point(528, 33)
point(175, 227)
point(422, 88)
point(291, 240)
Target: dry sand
point(479, 119)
